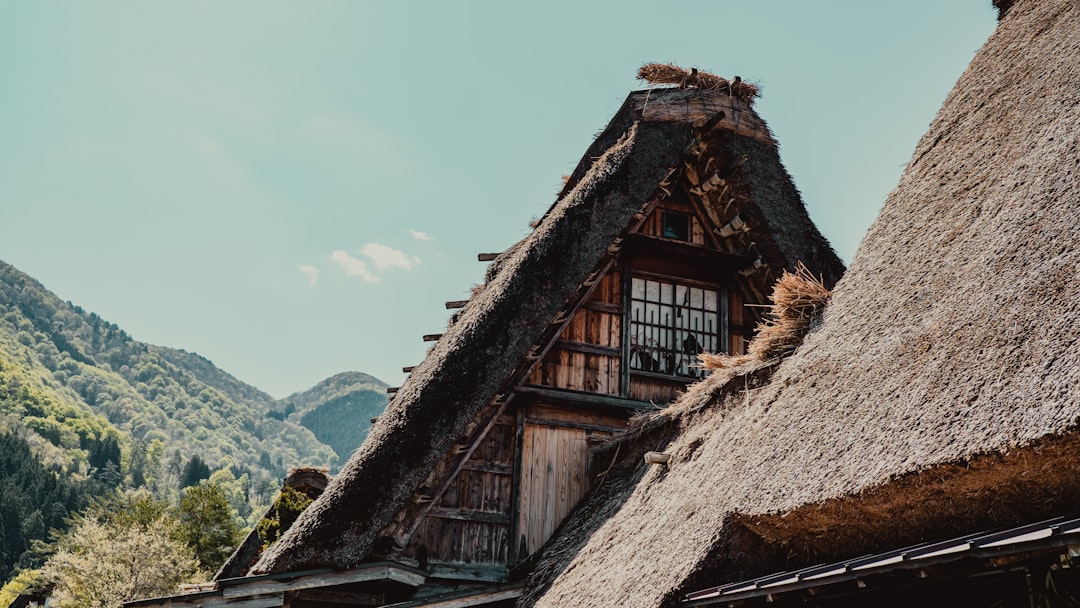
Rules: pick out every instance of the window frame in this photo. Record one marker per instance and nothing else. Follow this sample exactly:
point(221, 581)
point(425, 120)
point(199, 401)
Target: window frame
point(631, 348)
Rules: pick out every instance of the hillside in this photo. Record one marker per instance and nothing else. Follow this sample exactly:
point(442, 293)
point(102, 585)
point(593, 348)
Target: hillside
point(100, 410)
point(338, 410)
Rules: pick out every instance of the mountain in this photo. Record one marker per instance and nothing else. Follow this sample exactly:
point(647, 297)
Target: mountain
point(338, 410)
point(100, 410)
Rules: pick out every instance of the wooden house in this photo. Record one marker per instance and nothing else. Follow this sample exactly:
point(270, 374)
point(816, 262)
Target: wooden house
point(665, 238)
point(922, 446)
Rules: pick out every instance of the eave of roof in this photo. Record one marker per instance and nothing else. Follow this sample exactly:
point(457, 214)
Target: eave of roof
point(1053, 533)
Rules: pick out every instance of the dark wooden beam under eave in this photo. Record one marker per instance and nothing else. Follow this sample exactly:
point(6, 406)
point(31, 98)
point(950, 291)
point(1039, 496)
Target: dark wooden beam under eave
point(562, 396)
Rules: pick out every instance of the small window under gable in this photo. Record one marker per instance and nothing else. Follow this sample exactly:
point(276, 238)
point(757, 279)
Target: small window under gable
point(675, 225)
point(671, 323)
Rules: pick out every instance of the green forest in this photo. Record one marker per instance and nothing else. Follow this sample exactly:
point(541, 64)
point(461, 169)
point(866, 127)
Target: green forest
point(90, 416)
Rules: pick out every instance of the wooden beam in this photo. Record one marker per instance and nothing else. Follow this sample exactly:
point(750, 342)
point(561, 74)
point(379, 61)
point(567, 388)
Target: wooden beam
point(614, 309)
point(585, 347)
point(408, 370)
point(341, 597)
point(378, 572)
point(390, 390)
point(451, 305)
point(432, 337)
point(491, 573)
point(575, 398)
point(573, 425)
point(488, 467)
point(469, 515)
point(465, 599)
point(487, 257)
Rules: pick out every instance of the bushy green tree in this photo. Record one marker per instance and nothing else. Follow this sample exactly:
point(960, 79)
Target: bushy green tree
point(102, 565)
point(207, 524)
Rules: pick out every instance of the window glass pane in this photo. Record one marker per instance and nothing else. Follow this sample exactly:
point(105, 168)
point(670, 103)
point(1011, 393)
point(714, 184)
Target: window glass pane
point(710, 300)
point(666, 292)
point(680, 295)
point(666, 316)
point(637, 290)
point(695, 298)
point(652, 291)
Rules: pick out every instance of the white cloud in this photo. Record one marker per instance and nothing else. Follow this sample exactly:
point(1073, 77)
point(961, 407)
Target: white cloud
point(311, 271)
point(353, 267)
point(387, 257)
point(420, 236)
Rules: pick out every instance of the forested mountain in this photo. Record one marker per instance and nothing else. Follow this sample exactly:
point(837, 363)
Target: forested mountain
point(338, 410)
point(99, 410)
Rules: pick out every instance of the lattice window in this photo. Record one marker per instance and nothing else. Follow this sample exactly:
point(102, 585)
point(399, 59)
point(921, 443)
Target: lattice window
point(670, 323)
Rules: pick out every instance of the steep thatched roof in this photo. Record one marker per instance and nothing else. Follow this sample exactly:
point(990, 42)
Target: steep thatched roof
point(471, 368)
point(940, 395)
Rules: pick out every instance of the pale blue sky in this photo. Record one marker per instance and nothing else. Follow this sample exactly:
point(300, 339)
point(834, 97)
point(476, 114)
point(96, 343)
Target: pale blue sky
point(294, 189)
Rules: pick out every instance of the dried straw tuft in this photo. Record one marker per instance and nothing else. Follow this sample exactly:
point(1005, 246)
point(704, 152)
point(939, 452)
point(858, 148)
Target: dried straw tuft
point(797, 299)
point(665, 73)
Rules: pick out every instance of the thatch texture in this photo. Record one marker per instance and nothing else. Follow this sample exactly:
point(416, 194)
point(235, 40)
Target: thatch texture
point(940, 393)
point(525, 289)
point(665, 73)
point(798, 299)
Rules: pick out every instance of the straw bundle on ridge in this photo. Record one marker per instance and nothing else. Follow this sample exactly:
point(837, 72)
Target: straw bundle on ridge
point(665, 73)
point(797, 299)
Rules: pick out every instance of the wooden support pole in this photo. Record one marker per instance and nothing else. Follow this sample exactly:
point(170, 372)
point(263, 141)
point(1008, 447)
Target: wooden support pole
point(486, 257)
point(408, 370)
point(451, 305)
point(432, 337)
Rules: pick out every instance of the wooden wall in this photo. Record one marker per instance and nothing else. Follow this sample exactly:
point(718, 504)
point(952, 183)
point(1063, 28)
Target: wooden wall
point(588, 355)
point(555, 468)
point(471, 522)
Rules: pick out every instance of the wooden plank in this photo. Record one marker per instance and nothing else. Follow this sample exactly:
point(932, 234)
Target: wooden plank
point(465, 599)
point(469, 515)
point(585, 347)
point(432, 337)
point(453, 304)
point(491, 573)
point(516, 494)
point(408, 370)
point(341, 597)
point(561, 414)
point(486, 257)
point(262, 586)
point(574, 425)
point(577, 371)
point(585, 399)
point(597, 306)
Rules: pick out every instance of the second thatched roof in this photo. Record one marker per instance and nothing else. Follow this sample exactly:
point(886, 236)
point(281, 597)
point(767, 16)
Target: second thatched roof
point(941, 394)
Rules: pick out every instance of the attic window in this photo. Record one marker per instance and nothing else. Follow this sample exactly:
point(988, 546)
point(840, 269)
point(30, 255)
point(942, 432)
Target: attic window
point(670, 324)
point(676, 226)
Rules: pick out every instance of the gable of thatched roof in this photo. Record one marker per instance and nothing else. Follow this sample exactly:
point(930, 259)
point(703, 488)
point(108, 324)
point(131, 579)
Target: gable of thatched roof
point(939, 396)
point(457, 392)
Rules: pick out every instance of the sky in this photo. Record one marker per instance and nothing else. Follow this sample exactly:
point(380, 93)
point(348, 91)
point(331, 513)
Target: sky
point(295, 189)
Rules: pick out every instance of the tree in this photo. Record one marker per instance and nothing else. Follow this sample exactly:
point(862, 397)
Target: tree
point(102, 565)
point(207, 524)
point(195, 471)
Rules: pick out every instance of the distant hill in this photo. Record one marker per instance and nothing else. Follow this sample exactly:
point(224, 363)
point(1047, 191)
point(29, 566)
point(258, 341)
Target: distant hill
point(338, 410)
point(100, 410)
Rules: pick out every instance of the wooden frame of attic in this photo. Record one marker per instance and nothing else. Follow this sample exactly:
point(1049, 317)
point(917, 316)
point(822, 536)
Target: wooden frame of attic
point(673, 226)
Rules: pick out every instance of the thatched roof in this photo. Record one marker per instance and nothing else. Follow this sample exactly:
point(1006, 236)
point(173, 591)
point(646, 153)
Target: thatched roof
point(310, 481)
point(940, 395)
point(471, 368)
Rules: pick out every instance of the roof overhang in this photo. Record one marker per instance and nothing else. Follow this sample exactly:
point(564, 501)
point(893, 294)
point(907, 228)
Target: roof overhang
point(1052, 534)
point(268, 591)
